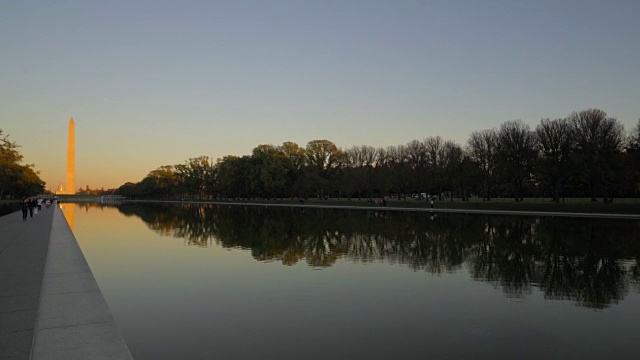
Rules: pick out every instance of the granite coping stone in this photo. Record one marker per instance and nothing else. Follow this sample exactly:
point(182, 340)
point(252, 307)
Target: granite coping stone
point(51, 306)
point(74, 320)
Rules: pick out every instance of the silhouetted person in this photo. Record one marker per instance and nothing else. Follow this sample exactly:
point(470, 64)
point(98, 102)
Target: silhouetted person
point(32, 205)
point(25, 209)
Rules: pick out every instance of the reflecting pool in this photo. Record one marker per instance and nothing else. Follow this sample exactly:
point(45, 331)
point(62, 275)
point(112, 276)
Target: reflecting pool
point(233, 282)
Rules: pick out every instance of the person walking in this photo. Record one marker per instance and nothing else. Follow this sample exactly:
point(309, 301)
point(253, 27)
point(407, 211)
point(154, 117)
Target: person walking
point(32, 205)
point(25, 208)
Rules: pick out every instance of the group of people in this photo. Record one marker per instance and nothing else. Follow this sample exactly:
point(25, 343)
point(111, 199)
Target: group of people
point(30, 204)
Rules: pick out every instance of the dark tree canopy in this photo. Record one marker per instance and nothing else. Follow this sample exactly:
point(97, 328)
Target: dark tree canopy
point(16, 179)
point(583, 155)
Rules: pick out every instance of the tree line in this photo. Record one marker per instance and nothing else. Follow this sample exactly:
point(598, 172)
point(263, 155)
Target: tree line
point(586, 154)
point(16, 180)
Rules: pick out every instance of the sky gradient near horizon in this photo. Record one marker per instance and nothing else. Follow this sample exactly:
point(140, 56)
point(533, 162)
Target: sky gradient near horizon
point(153, 83)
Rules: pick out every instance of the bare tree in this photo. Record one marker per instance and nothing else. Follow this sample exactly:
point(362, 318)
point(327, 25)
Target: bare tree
point(599, 141)
point(368, 161)
point(634, 137)
point(353, 174)
point(452, 157)
point(399, 168)
point(435, 152)
point(482, 150)
point(416, 159)
point(516, 154)
point(361, 160)
point(555, 145)
point(381, 170)
point(632, 152)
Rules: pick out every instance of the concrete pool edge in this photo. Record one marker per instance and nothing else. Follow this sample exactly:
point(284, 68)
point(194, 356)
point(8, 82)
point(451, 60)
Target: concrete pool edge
point(74, 320)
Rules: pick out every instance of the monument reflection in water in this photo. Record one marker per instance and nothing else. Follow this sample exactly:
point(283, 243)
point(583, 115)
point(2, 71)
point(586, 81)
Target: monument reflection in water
point(594, 264)
point(68, 210)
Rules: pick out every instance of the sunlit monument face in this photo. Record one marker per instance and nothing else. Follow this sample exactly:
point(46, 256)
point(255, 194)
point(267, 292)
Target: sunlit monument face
point(70, 185)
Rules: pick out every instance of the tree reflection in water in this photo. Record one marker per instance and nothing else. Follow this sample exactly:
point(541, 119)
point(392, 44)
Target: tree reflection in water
point(593, 262)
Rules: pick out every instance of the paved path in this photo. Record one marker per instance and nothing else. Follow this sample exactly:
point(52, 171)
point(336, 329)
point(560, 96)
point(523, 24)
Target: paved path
point(50, 304)
point(23, 252)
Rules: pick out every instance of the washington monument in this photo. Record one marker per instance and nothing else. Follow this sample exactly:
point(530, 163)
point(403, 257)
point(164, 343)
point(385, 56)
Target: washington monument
point(71, 154)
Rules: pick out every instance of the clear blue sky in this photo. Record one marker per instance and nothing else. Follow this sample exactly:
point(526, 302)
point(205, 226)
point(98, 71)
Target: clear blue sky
point(153, 83)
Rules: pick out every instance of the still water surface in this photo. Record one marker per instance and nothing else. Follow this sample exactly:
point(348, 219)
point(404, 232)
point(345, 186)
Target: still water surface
point(204, 282)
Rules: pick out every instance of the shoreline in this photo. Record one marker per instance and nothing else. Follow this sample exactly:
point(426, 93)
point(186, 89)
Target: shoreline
point(437, 209)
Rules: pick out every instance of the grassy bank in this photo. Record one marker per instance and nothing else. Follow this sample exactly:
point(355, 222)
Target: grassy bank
point(622, 206)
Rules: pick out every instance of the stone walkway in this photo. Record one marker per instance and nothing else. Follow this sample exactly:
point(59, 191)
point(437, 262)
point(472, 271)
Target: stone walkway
point(50, 304)
point(23, 253)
